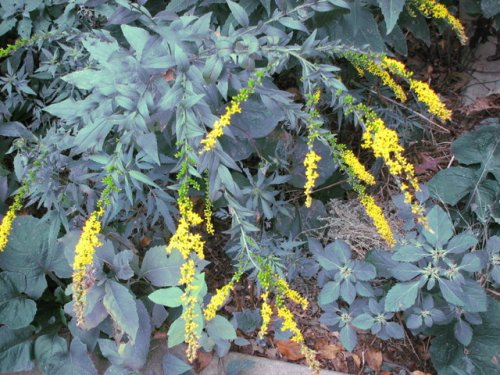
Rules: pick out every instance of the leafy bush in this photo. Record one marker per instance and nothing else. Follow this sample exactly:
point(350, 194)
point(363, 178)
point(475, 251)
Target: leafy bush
point(138, 123)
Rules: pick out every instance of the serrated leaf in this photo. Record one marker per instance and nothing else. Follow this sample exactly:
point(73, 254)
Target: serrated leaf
point(440, 227)
point(75, 362)
point(402, 296)
point(363, 321)
point(170, 297)
point(348, 337)
point(120, 304)
point(452, 184)
point(139, 176)
point(409, 253)
point(137, 37)
point(406, 271)
point(451, 291)
point(329, 293)
point(460, 243)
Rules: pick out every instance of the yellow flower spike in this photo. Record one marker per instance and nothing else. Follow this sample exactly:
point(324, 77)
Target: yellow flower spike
point(217, 301)
point(357, 168)
point(233, 108)
point(310, 357)
point(433, 9)
point(290, 324)
point(82, 263)
point(395, 67)
point(427, 96)
point(293, 295)
point(6, 227)
point(311, 164)
point(188, 270)
point(266, 314)
point(378, 218)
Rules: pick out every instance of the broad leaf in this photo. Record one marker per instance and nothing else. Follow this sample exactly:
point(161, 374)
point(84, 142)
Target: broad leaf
point(30, 253)
point(170, 297)
point(120, 304)
point(161, 269)
point(440, 227)
point(402, 296)
point(220, 328)
point(173, 365)
point(15, 349)
point(16, 310)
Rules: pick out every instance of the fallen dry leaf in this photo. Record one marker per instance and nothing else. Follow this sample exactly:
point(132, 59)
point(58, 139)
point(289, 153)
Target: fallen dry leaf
point(357, 360)
point(428, 164)
point(418, 372)
point(374, 359)
point(289, 349)
point(329, 351)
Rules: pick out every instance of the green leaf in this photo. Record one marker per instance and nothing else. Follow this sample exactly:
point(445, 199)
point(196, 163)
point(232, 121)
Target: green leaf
point(363, 321)
point(329, 293)
point(482, 354)
point(85, 79)
point(170, 297)
point(148, 144)
point(16, 311)
point(213, 69)
point(293, 24)
point(120, 304)
point(451, 291)
point(441, 227)
point(139, 176)
point(409, 253)
point(452, 184)
point(29, 252)
point(391, 10)
point(462, 242)
point(15, 349)
point(348, 337)
point(46, 347)
point(160, 268)
point(220, 328)
point(490, 8)
point(475, 298)
point(75, 362)
point(176, 333)
point(137, 37)
point(253, 121)
point(402, 296)
point(239, 13)
point(173, 365)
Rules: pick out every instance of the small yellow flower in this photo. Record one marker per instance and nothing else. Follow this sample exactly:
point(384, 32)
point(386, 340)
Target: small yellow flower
point(188, 270)
point(433, 9)
point(266, 313)
point(427, 96)
point(310, 163)
point(82, 263)
point(284, 289)
point(358, 169)
point(378, 218)
point(6, 227)
point(218, 300)
point(290, 324)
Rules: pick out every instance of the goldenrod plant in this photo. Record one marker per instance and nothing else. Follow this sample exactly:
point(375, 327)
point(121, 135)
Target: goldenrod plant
point(181, 138)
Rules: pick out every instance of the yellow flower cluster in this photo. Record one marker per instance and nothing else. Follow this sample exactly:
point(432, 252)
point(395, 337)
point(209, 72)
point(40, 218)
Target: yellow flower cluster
point(378, 218)
point(234, 107)
point(190, 305)
point(362, 63)
point(427, 96)
point(8, 219)
point(358, 169)
point(82, 263)
point(310, 356)
point(310, 163)
point(284, 289)
point(290, 324)
point(217, 301)
point(207, 211)
point(433, 9)
point(183, 240)
point(266, 313)
point(383, 66)
point(6, 227)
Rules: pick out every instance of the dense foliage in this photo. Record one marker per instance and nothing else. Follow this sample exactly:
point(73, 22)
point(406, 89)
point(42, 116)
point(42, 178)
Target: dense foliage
point(134, 133)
